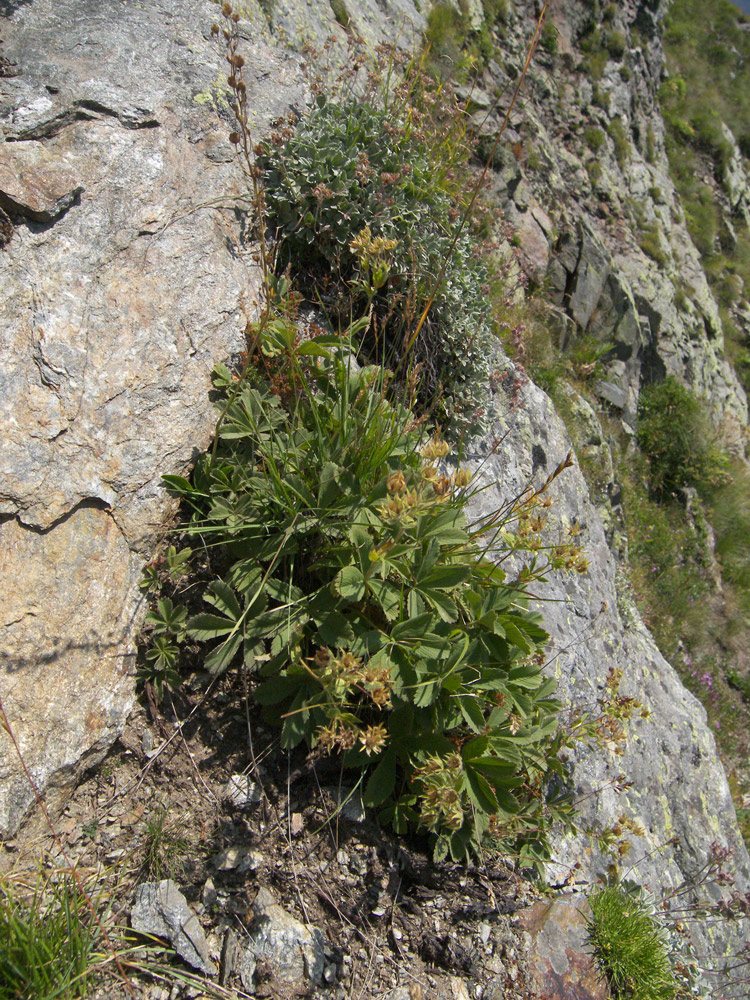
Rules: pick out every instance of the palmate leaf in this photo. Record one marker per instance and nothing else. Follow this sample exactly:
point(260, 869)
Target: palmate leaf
point(168, 619)
point(229, 623)
point(350, 584)
point(382, 780)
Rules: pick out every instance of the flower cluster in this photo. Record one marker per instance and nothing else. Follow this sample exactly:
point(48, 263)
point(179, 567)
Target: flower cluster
point(441, 781)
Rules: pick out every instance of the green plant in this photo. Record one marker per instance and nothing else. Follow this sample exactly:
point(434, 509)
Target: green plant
point(628, 947)
point(172, 566)
point(601, 97)
point(594, 170)
point(615, 44)
point(594, 138)
point(167, 625)
point(595, 52)
point(341, 12)
point(651, 244)
point(164, 846)
point(47, 939)
point(675, 434)
point(356, 591)
point(352, 179)
point(621, 142)
point(549, 38)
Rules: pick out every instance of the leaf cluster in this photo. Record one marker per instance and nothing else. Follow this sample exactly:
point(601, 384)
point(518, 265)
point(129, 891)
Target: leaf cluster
point(364, 604)
point(388, 168)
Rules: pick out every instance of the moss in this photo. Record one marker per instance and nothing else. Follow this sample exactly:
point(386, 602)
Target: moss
point(594, 138)
point(620, 139)
point(341, 13)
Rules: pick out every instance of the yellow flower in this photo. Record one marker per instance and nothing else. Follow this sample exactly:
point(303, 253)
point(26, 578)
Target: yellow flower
point(396, 482)
point(373, 739)
point(436, 448)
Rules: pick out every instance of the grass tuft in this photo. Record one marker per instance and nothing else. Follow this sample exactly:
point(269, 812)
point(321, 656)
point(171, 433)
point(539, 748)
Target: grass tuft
point(628, 947)
point(47, 939)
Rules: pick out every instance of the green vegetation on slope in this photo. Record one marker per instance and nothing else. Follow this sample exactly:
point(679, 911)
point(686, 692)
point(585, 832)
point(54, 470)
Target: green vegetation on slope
point(708, 56)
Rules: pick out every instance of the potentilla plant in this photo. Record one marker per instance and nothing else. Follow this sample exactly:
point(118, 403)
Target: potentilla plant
point(363, 604)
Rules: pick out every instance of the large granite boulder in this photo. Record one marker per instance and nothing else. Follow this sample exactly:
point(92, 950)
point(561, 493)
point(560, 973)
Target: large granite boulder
point(127, 276)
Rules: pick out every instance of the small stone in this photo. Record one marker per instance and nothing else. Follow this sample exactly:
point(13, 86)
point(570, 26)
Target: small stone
point(295, 951)
point(161, 909)
point(297, 824)
point(239, 858)
point(242, 792)
point(209, 894)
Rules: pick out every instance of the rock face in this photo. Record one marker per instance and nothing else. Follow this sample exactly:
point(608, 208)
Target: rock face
point(623, 270)
point(125, 279)
point(668, 774)
point(561, 962)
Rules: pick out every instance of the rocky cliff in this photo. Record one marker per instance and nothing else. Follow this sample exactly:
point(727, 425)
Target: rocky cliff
point(127, 273)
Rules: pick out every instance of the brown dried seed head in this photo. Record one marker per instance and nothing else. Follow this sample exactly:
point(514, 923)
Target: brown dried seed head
point(234, 137)
point(226, 9)
point(238, 61)
point(214, 29)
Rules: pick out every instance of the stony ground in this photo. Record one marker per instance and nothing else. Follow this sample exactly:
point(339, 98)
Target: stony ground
point(200, 793)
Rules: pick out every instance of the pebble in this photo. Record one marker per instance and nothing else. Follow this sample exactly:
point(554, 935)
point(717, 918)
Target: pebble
point(242, 791)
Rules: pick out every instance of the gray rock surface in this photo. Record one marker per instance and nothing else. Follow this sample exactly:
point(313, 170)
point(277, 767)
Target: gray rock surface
point(659, 315)
point(293, 950)
point(161, 909)
point(676, 785)
point(126, 279)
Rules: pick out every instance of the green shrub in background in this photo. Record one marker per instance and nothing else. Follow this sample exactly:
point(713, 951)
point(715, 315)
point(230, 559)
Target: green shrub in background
point(629, 948)
point(674, 432)
point(619, 136)
point(354, 171)
point(354, 589)
point(594, 138)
